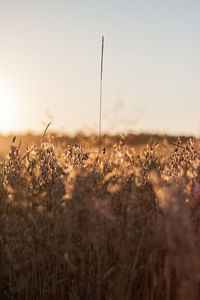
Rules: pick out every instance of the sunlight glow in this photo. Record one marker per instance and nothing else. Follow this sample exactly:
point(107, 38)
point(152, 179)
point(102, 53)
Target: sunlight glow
point(7, 110)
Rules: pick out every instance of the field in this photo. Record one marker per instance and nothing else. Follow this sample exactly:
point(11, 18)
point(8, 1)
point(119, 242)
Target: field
point(79, 224)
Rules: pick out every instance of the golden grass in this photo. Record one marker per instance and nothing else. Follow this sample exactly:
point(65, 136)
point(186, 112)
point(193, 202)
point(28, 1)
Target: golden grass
point(81, 225)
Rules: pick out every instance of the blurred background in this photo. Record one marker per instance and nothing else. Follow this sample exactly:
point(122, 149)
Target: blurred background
point(50, 66)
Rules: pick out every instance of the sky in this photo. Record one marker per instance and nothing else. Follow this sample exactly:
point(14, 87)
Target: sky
point(50, 66)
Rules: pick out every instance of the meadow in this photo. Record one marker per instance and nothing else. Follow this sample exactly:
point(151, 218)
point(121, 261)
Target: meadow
point(79, 224)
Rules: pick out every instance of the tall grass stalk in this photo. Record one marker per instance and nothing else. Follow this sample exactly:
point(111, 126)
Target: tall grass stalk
point(100, 108)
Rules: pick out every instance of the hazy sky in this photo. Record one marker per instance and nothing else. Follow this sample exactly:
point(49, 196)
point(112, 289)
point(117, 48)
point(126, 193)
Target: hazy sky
point(50, 65)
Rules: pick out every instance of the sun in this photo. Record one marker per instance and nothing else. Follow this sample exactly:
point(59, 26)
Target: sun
point(7, 110)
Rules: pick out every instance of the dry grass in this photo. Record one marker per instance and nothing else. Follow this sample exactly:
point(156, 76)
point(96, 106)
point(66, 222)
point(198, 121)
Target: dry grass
point(79, 225)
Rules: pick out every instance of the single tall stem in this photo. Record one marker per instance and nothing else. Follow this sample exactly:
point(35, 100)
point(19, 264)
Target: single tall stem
point(100, 109)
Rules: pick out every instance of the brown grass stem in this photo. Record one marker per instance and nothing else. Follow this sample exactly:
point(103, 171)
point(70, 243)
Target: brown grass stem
point(100, 108)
